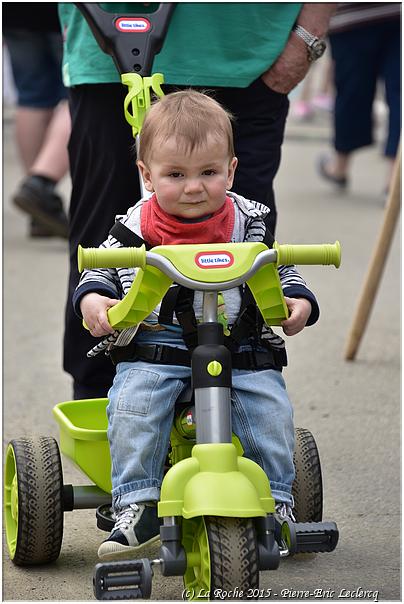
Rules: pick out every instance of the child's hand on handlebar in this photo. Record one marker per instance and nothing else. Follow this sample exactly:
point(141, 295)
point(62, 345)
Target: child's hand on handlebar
point(94, 309)
point(300, 310)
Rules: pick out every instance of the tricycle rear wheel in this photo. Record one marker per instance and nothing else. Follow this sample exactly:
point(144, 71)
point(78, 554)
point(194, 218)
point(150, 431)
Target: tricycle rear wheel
point(225, 554)
point(307, 489)
point(33, 500)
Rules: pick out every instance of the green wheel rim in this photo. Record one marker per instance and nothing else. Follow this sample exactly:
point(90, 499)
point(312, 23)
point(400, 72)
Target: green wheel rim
point(11, 501)
point(196, 545)
point(285, 534)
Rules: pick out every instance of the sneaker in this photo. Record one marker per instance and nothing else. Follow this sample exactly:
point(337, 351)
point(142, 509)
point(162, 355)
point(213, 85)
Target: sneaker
point(284, 510)
point(135, 527)
point(38, 199)
point(36, 229)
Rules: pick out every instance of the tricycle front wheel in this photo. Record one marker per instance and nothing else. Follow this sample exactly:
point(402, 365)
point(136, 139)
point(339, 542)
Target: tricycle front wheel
point(33, 500)
point(222, 555)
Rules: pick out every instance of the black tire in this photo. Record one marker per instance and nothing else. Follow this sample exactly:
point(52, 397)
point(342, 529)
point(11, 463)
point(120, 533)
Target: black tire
point(39, 518)
point(307, 489)
point(234, 564)
point(228, 564)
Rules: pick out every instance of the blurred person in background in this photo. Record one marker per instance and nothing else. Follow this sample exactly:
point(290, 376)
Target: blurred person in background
point(365, 43)
point(33, 39)
point(315, 93)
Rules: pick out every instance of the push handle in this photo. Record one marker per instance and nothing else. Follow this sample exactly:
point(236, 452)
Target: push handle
point(138, 100)
point(325, 253)
point(126, 257)
point(131, 40)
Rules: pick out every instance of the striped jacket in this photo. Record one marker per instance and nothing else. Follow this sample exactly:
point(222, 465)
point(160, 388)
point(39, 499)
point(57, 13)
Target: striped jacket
point(248, 226)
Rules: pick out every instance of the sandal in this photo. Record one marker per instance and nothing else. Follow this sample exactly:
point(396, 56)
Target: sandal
point(340, 181)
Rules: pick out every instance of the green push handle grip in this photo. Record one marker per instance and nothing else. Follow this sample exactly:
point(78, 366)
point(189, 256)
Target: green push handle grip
point(94, 257)
point(325, 253)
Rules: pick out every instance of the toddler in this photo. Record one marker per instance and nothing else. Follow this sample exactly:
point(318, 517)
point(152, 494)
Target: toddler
point(187, 162)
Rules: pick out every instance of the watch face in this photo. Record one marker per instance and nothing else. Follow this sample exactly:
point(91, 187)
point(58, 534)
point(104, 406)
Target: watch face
point(318, 49)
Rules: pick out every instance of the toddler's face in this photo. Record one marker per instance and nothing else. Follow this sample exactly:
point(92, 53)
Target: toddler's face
point(189, 185)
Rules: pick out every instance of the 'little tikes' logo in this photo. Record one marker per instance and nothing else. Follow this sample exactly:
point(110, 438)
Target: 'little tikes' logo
point(132, 24)
point(214, 259)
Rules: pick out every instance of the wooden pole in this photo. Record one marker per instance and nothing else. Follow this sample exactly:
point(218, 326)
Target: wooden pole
point(377, 263)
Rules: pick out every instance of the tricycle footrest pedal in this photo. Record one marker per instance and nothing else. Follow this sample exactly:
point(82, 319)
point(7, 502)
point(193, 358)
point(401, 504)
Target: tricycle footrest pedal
point(126, 580)
point(316, 536)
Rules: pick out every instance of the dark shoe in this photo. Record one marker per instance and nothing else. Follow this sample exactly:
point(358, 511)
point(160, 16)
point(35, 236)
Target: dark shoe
point(135, 527)
point(340, 181)
point(36, 229)
point(41, 202)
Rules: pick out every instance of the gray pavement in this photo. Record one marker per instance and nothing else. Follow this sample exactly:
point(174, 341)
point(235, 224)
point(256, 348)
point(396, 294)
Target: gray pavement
point(353, 408)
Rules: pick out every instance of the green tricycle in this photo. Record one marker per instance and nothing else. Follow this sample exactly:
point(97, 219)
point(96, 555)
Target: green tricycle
point(219, 527)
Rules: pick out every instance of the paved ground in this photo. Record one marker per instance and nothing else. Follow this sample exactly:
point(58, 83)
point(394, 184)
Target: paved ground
point(353, 408)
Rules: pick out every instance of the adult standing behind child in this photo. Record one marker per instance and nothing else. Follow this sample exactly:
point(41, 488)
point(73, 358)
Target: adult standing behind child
point(245, 53)
point(187, 161)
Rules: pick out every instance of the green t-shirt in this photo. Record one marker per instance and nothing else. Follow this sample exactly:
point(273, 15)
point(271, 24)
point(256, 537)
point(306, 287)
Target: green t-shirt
point(207, 44)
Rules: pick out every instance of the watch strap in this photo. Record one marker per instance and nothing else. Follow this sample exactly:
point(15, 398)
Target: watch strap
point(305, 35)
point(315, 46)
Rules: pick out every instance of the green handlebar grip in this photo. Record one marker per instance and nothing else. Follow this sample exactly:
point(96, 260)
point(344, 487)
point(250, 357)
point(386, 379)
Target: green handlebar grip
point(123, 257)
point(326, 253)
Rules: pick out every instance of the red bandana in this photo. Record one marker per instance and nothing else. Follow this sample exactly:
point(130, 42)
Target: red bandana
point(160, 228)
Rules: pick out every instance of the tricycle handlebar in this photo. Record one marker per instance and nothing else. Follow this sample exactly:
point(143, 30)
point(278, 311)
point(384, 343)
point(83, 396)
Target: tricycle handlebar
point(326, 253)
point(205, 268)
point(123, 257)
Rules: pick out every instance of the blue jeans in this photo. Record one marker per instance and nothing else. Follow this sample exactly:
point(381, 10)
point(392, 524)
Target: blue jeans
point(140, 414)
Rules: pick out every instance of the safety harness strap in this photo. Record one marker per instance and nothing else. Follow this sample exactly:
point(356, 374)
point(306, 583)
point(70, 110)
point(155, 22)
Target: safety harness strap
point(180, 300)
point(249, 323)
point(168, 355)
point(128, 238)
point(268, 238)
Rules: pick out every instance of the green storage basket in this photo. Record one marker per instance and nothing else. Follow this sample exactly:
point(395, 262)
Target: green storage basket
point(83, 438)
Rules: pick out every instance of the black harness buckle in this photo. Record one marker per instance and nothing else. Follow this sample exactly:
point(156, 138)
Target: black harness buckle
point(245, 326)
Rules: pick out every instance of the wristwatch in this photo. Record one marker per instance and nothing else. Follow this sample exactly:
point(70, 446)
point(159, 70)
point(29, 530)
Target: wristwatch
point(315, 46)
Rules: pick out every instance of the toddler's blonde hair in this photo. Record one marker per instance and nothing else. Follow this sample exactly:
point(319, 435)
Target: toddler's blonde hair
point(188, 116)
